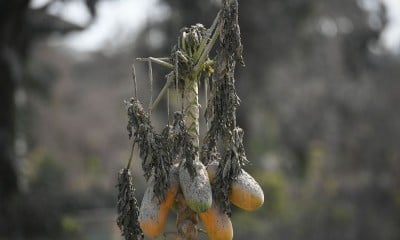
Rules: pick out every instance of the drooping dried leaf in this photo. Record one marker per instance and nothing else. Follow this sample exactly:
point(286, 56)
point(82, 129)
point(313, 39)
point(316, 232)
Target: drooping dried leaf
point(230, 36)
point(222, 106)
point(154, 149)
point(183, 145)
point(127, 207)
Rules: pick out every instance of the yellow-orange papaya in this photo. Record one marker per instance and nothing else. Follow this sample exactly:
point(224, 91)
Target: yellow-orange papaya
point(217, 224)
point(153, 212)
point(245, 193)
point(196, 190)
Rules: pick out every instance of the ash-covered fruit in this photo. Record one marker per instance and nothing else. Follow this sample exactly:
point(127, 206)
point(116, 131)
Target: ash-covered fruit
point(246, 193)
point(196, 190)
point(217, 224)
point(153, 212)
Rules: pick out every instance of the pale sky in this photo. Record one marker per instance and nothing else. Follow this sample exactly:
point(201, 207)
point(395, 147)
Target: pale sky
point(116, 22)
point(391, 35)
point(118, 19)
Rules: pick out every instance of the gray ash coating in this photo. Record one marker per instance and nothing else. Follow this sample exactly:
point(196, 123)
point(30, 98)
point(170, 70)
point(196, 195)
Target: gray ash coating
point(250, 185)
point(150, 206)
point(196, 190)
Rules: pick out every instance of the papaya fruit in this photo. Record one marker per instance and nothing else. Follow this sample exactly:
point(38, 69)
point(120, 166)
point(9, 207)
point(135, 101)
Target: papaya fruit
point(245, 193)
point(217, 224)
point(153, 212)
point(196, 190)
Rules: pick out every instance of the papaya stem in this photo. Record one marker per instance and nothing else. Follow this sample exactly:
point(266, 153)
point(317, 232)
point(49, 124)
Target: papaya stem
point(131, 155)
point(207, 37)
point(192, 109)
point(170, 80)
point(160, 61)
point(185, 217)
point(199, 65)
point(134, 80)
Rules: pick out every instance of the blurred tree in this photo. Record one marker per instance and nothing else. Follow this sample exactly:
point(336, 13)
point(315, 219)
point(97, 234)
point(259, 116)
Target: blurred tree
point(12, 49)
point(20, 26)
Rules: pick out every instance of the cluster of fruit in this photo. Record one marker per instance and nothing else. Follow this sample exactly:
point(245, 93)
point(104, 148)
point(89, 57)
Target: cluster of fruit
point(245, 193)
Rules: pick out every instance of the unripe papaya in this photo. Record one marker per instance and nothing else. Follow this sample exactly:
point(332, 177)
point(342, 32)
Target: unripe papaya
point(246, 193)
point(153, 212)
point(217, 224)
point(196, 190)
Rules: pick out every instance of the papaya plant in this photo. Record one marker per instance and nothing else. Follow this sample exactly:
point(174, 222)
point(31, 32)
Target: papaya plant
point(200, 180)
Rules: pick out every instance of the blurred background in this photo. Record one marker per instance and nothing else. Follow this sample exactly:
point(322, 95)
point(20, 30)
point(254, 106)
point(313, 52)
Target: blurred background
point(320, 108)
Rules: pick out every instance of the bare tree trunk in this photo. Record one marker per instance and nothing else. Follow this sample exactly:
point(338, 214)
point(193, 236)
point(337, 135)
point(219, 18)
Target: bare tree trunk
point(8, 176)
point(12, 48)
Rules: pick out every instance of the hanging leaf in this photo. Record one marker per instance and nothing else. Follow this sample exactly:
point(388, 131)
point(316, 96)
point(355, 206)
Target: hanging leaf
point(222, 106)
point(230, 35)
point(154, 149)
point(183, 145)
point(127, 207)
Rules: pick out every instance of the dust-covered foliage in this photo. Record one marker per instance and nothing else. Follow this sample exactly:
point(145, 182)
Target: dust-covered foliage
point(154, 148)
point(127, 207)
point(222, 106)
point(183, 147)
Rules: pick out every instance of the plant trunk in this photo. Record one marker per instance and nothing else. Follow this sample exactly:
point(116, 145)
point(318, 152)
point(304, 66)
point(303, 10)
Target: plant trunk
point(191, 100)
point(187, 219)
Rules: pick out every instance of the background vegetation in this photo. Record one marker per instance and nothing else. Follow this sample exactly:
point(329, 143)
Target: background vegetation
point(320, 99)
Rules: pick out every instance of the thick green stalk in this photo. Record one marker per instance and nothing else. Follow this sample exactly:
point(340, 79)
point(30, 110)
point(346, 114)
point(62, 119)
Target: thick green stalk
point(186, 217)
point(191, 104)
